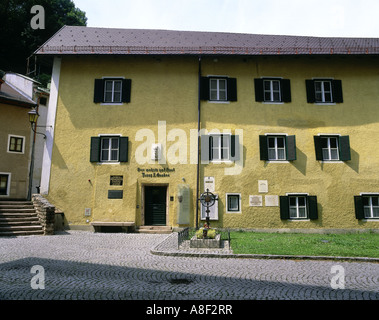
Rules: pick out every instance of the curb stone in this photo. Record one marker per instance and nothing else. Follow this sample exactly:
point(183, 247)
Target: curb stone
point(170, 247)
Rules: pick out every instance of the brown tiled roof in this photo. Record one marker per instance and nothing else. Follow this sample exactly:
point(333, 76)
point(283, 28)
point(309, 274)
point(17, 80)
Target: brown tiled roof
point(88, 40)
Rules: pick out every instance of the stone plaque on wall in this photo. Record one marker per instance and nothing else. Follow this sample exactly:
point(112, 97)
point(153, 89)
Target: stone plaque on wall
point(116, 180)
point(255, 201)
point(272, 201)
point(262, 186)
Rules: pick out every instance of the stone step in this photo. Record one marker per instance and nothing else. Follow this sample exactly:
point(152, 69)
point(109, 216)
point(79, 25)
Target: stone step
point(154, 229)
point(17, 210)
point(21, 233)
point(20, 228)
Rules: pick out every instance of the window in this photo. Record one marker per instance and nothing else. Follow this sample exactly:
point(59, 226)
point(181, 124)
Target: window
point(324, 91)
point(272, 90)
point(277, 147)
point(367, 206)
point(332, 148)
point(298, 207)
point(218, 89)
point(220, 147)
point(108, 149)
point(16, 144)
point(233, 203)
point(112, 90)
point(4, 184)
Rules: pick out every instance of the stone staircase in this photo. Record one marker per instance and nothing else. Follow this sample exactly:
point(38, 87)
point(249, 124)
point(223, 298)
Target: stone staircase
point(154, 229)
point(19, 218)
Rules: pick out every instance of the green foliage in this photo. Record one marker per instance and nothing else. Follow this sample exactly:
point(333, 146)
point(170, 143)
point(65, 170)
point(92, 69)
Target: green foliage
point(17, 38)
point(348, 245)
point(211, 233)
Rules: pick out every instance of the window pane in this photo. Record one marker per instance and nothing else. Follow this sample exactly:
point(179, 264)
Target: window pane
point(271, 142)
point(233, 202)
point(276, 96)
point(325, 154)
point(115, 143)
point(222, 95)
point(271, 154)
point(275, 85)
point(117, 97)
point(365, 201)
point(324, 142)
point(375, 201)
point(301, 201)
point(293, 213)
point(280, 142)
point(267, 96)
point(302, 213)
point(367, 212)
point(334, 154)
point(292, 201)
point(328, 97)
point(375, 212)
point(213, 95)
point(213, 84)
point(105, 143)
point(19, 145)
point(267, 85)
point(104, 155)
point(114, 155)
point(281, 154)
point(222, 84)
point(117, 86)
point(108, 97)
point(333, 142)
point(318, 86)
point(108, 85)
point(327, 86)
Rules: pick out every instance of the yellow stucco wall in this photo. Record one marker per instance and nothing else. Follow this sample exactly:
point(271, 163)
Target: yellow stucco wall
point(166, 89)
point(15, 121)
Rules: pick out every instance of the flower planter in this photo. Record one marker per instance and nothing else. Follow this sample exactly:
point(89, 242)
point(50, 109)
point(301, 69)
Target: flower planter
point(206, 243)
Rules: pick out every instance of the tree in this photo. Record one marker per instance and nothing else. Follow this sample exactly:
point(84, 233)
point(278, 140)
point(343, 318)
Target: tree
point(18, 40)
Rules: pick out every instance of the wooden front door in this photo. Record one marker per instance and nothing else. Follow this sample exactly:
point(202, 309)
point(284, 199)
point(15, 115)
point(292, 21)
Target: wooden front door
point(155, 205)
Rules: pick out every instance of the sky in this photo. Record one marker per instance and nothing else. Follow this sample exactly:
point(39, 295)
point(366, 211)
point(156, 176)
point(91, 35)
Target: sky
point(324, 18)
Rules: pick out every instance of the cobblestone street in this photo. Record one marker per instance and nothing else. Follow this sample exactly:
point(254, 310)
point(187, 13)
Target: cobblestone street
point(83, 265)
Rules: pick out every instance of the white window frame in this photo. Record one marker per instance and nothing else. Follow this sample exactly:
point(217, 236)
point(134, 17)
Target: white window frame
point(329, 148)
point(271, 90)
point(323, 91)
point(113, 81)
point(276, 148)
point(297, 206)
point(109, 136)
point(228, 210)
point(10, 136)
point(220, 147)
point(217, 89)
point(370, 207)
point(8, 183)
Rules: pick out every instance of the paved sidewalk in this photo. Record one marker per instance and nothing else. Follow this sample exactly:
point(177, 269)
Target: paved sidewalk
point(81, 265)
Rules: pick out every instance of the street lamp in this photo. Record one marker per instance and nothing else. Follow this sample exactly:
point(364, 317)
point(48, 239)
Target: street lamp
point(33, 116)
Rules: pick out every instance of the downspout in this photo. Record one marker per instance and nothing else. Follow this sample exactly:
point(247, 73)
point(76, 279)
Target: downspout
point(198, 148)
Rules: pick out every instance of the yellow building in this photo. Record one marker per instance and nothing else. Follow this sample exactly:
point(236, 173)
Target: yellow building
point(288, 127)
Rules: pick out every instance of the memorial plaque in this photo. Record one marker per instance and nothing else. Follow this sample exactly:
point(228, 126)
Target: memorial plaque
point(272, 201)
point(209, 183)
point(262, 186)
point(116, 180)
point(255, 201)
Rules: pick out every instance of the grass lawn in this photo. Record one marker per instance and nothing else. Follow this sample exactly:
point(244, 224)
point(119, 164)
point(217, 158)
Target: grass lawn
point(342, 245)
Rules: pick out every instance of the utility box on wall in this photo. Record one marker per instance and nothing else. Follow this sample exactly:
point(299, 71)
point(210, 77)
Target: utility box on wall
point(183, 196)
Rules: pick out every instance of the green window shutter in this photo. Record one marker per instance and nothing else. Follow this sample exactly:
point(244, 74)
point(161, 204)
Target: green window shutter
point(126, 90)
point(312, 207)
point(232, 89)
point(204, 88)
point(344, 148)
point(310, 87)
point(358, 203)
point(291, 148)
point(95, 149)
point(234, 148)
point(123, 151)
point(337, 91)
point(318, 149)
point(284, 208)
point(205, 145)
point(258, 86)
point(263, 148)
point(98, 91)
point(285, 87)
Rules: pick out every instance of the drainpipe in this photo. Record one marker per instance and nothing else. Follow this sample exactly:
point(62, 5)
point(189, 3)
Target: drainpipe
point(198, 149)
